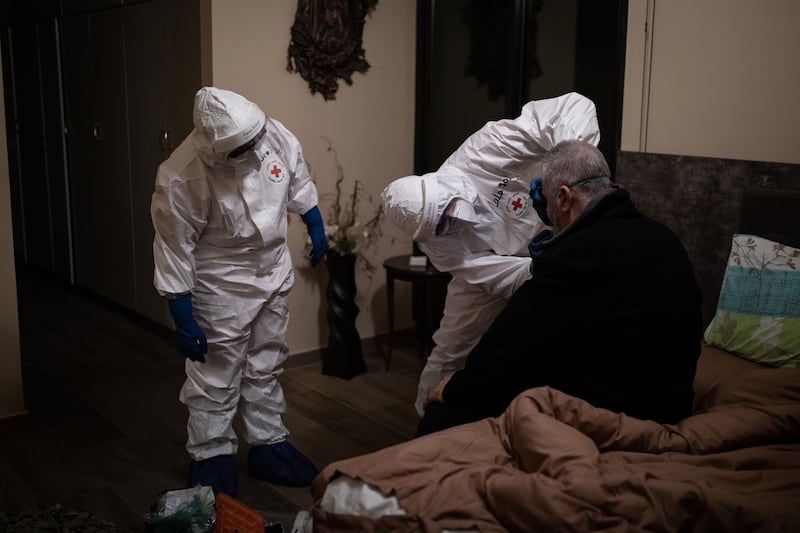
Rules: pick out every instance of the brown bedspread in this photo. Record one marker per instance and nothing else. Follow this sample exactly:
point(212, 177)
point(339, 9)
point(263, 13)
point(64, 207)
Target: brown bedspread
point(553, 462)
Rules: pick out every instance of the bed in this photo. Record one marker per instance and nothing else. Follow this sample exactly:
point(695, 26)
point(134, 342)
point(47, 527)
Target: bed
point(553, 462)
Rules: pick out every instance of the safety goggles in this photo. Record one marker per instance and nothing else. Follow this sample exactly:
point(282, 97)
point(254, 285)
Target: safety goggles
point(578, 183)
point(249, 145)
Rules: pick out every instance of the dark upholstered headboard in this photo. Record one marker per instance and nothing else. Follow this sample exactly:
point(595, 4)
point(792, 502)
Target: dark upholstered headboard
point(771, 214)
point(706, 200)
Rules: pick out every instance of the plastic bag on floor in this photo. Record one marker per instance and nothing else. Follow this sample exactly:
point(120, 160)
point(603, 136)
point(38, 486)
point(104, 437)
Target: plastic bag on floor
point(183, 511)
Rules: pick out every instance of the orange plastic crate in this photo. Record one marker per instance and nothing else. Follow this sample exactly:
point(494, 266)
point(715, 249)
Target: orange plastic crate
point(235, 517)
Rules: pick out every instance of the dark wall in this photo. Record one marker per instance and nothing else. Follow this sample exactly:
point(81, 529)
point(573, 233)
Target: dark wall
point(600, 66)
point(479, 61)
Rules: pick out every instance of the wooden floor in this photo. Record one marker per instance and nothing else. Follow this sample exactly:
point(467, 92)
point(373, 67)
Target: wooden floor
point(105, 431)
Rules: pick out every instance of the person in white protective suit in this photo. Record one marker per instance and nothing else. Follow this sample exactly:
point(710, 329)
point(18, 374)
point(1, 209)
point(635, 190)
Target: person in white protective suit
point(474, 218)
point(220, 211)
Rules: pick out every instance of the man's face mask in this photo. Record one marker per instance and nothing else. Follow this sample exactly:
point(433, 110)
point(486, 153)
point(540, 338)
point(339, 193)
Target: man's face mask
point(458, 216)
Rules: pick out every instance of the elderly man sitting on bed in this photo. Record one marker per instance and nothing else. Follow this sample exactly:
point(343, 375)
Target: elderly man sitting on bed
point(612, 313)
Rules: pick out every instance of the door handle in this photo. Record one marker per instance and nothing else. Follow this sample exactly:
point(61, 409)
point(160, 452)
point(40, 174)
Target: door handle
point(164, 142)
point(97, 132)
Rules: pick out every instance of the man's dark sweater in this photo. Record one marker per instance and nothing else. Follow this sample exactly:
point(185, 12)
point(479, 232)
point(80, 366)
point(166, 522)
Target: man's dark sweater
point(611, 315)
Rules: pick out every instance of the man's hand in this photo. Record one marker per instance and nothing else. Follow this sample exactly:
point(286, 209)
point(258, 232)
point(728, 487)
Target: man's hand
point(536, 245)
point(435, 394)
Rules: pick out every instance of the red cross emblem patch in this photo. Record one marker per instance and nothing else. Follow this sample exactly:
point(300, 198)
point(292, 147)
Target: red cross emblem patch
point(518, 203)
point(275, 171)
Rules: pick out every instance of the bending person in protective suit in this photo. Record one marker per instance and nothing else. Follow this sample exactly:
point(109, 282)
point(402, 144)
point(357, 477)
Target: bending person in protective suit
point(473, 218)
point(220, 210)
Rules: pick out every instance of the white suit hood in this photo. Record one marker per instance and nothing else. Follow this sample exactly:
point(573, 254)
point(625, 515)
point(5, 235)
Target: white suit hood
point(223, 121)
point(416, 203)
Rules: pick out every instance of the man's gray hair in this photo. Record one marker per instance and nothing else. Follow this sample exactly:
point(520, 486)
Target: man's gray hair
point(571, 161)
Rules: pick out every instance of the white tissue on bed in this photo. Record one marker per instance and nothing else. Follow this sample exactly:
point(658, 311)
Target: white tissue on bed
point(345, 495)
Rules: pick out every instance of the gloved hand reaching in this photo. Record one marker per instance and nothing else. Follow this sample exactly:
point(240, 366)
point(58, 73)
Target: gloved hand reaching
point(539, 201)
point(535, 246)
point(316, 230)
point(189, 335)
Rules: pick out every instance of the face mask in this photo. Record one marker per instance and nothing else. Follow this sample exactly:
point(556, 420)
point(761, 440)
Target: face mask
point(243, 159)
point(458, 216)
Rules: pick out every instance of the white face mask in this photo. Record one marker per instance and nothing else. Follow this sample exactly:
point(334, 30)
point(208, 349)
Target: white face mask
point(458, 216)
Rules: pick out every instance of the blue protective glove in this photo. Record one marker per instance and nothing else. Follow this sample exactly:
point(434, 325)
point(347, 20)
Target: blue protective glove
point(189, 336)
point(539, 201)
point(316, 230)
point(536, 245)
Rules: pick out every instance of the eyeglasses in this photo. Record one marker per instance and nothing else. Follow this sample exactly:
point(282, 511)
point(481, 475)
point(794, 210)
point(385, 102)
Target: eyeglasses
point(246, 147)
point(579, 183)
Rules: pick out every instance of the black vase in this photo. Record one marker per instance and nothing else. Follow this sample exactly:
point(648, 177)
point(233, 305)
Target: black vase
point(343, 357)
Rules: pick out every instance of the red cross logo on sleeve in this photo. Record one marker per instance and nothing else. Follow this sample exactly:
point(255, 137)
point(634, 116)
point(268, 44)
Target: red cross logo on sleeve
point(276, 172)
point(518, 204)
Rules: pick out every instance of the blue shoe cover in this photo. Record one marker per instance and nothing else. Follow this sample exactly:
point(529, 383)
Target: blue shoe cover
point(219, 473)
point(281, 464)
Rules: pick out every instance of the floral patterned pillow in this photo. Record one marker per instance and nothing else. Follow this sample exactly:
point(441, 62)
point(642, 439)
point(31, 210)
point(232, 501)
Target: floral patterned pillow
point(758, 312)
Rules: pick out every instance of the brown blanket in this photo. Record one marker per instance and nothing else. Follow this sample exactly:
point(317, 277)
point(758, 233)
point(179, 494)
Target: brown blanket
point(553, 462)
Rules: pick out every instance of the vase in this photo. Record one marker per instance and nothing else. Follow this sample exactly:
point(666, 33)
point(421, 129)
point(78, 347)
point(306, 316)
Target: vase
point(343, 357)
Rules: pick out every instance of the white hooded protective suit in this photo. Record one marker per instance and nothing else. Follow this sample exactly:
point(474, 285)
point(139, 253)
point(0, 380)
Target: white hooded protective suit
point(220, 233)
point(488, 258)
